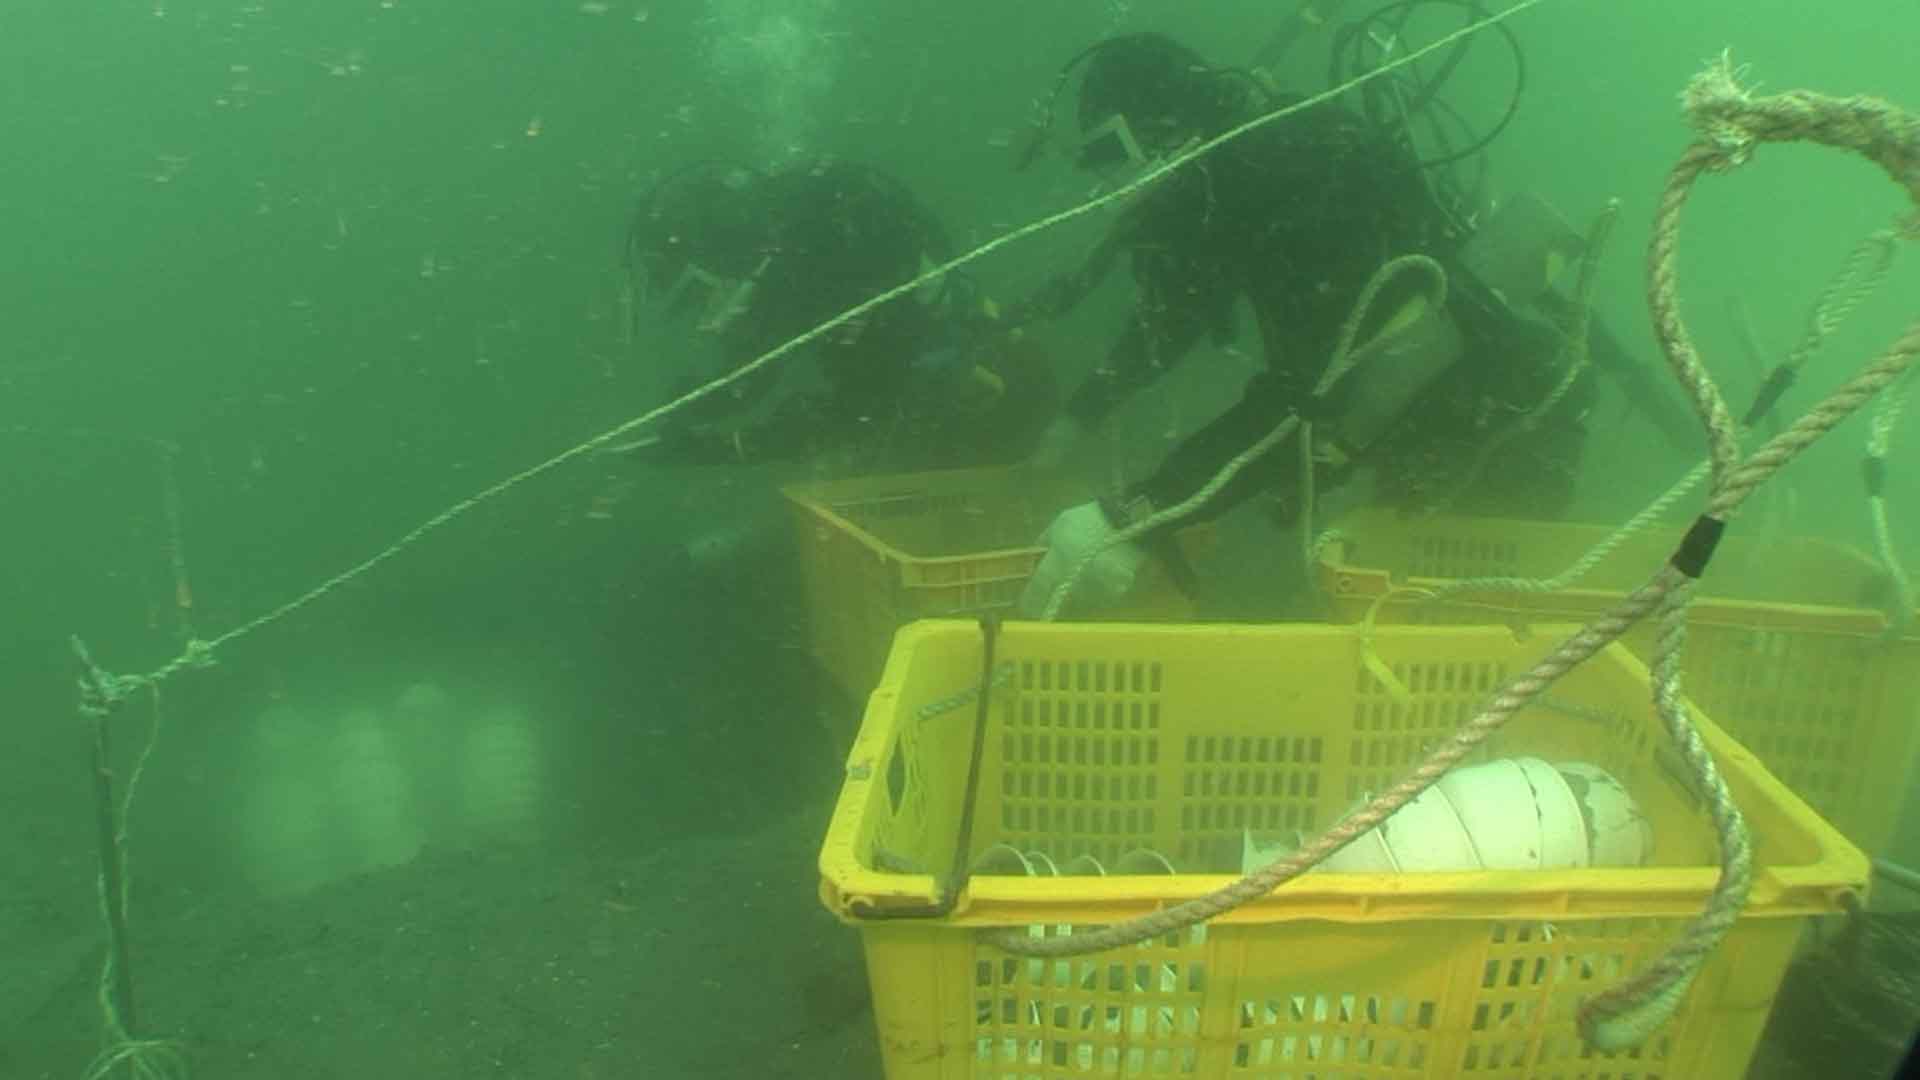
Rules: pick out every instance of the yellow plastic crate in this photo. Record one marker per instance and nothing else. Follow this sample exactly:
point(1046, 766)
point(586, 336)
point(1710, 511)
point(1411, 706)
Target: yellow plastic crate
point(1783, 647)
point(879, 552)
point(1106, 738)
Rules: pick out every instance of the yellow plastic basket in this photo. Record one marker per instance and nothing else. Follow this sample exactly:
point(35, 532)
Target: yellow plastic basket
point(1783, 649)
point(879, 552)
point(1110, 738)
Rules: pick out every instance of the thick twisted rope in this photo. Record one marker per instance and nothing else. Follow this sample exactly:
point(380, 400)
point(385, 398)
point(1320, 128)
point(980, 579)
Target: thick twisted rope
point(1865, 269)
point(1879, 440)
point(1625, 1014)
point(1731, 123)
point(1579, 352)
point(1861, 275)
point(1342, 364)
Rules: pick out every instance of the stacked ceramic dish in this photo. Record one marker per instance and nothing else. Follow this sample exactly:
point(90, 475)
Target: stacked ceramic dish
point(1005, 860)
point(1511, 814)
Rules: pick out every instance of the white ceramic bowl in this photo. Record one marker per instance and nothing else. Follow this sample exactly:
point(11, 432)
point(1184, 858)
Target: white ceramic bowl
point(1367, 854)
point(1495, 802)
point(1563, 829)
point(1426, 836)
point(1618, 833)
point(1143, 862)
point(1002, 860)
point(1083, 866)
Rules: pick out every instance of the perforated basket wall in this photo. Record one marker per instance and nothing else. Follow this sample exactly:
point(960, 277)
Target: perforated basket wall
point(1783, 649)
point(1105, 739)
point(879, 552)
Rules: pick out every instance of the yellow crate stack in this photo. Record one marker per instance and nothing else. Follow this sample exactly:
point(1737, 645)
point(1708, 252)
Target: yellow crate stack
point(1785, 647)
point(879, 552)
point(1109, 738)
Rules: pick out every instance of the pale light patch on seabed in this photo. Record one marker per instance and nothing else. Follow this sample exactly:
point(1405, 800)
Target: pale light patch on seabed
point(501, 777)
point(324, 794)
point(282, 833)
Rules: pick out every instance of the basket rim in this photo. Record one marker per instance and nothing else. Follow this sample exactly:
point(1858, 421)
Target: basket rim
point(817, 497)
point(1358, 581)
point(851, 890)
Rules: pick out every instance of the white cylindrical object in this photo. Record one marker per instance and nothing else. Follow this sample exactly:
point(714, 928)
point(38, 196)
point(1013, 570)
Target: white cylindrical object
point(1619, 834)
point(1427, 836)
point(1495, 803)
point(1510, 814)
point(1368, 854)
point(1563, 830)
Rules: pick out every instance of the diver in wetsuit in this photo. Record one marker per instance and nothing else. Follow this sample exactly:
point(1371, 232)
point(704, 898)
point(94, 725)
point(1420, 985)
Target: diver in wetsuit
point(752, 259)
point(1294, 218)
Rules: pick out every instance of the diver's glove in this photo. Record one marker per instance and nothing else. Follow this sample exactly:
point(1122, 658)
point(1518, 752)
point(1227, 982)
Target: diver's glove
point(1078, 532)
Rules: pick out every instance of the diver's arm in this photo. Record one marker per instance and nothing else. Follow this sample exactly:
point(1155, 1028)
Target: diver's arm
point(1201, 456)
point(1062, 294)
point(797, 428)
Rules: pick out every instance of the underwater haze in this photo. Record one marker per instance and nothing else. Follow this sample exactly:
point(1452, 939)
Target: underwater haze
point(541, 792)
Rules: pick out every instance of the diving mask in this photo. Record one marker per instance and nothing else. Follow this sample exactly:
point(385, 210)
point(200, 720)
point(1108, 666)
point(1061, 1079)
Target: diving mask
point(1111, 145)
point(1122, 154)
point(720, 300)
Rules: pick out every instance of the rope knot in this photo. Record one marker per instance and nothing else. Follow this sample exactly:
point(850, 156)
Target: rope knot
point(199, 653)
point(94, 704)
point(1716, 103)
point(1732, 146)
point(101, 692)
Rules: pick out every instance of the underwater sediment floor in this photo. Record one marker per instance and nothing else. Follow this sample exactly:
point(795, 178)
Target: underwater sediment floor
point(712, 958)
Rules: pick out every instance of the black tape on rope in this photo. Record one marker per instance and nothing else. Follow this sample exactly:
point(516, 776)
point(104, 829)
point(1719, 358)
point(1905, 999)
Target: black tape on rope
point(1874, 471)
point(1769, 394)
point(1696, 549)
